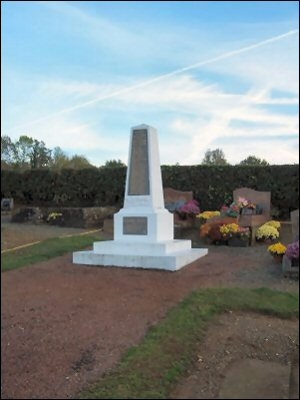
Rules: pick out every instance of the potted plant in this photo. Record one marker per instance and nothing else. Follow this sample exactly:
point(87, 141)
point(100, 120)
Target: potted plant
point(266, 233)
point(235, 235)
point(233, 210)
point(247, 207)
point(189, 209)
point(292, 253)
point(277, 250)
point(275, 224)
point(210, 232)
point(290, 260)
point(205, 215)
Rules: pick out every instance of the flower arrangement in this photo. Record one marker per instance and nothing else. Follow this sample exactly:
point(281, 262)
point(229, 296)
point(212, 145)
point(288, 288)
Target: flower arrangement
point(53, 216)
point(204, 230)
point(245, 203)
point(208, 214)
point(191, 207)
point(243, 233)
point(275, 224)
point(233, 210)
point(242, 202)
point(229, 230)
point(234, 230)
point(292, 250)
point(266, 231)
point(277, 249)
point(211, 231)
point(247, 206)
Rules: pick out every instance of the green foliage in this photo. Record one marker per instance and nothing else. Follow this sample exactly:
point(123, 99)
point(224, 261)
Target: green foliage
point(44, 251)
point(214, 157)
point(28, 153)
point(59, 159)
point(150, 369)
point(6, 151)
point(114, 164)
point(211, 185)
point(79, 162)
point(252, 160)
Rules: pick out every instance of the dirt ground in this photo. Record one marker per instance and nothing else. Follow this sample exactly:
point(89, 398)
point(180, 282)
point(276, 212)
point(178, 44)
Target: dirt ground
point(63, 325)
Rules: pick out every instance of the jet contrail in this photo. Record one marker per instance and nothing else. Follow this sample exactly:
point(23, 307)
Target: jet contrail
point(161, 77)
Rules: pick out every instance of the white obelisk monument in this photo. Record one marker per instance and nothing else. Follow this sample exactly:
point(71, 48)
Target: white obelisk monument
point(143, 228)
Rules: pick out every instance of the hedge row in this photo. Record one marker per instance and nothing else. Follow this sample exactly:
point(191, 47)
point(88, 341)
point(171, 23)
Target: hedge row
point(211, 185)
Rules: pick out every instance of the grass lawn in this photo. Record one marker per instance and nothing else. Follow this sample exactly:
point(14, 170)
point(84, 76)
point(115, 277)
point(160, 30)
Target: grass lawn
point(45, 250)
point(150, 369)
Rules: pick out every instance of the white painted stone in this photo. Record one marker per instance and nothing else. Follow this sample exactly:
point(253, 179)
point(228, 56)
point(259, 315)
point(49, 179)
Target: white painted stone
point(143, 228)
point(171, 262)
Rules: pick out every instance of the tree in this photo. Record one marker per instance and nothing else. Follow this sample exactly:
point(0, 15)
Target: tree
point(7, 151)
point(214, 157)
point(59, 159)
point(114, 164)
point(252, 160)
point(79, 162)
point(28, 153)
point(25, 153)
point(40, 156)
point(22, 152)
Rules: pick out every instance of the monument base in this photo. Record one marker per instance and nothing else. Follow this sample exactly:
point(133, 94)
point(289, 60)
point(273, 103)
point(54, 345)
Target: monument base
point(170, 255)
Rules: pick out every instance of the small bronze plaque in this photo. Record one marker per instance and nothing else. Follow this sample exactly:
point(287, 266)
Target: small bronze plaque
point(135, 226)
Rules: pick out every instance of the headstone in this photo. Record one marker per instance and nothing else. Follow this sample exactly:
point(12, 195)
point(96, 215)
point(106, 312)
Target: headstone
point(143, 228)
point(172, 196)
point(295, 224)
point(263, 200)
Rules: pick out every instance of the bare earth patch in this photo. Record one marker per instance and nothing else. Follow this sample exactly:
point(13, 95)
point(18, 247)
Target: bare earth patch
point(63, 325)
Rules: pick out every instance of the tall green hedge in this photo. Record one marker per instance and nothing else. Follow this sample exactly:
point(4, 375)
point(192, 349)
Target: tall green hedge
point(211, 185)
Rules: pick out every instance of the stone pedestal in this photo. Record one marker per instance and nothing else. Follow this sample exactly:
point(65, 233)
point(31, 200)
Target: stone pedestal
point(143, 228)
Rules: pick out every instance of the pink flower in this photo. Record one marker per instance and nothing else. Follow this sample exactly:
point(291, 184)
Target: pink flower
point(190, 207)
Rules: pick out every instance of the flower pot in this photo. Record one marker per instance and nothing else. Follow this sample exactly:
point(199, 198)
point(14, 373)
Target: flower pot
point(290, 266)
point(295, 262)
point(248, 211)
point(277, 258)
point(269, 240)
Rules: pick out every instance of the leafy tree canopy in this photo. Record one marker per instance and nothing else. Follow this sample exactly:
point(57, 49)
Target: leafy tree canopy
point(214, 157)
point(114, 164)
point(252, 160)
point(28, 153)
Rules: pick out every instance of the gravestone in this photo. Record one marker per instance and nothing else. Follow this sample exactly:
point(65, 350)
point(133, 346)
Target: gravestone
point(263, 200)
point(173, 197)
point(295, 224)
point(143, 228)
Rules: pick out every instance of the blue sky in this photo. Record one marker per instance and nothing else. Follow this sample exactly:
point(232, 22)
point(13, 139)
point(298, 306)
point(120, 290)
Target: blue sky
point(205, 74)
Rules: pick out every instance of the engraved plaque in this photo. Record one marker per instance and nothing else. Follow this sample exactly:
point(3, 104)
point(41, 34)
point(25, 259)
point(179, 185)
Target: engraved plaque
point(135, 226)
point(138, 184)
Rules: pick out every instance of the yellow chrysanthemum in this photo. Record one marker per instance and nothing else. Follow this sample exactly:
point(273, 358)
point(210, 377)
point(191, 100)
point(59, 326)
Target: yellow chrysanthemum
point(275, 224)
point(277, 248)
point(267, 231)
point(208, 214)
point(229, 228)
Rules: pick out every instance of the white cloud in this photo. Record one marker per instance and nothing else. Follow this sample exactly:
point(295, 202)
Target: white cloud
point(204, 104)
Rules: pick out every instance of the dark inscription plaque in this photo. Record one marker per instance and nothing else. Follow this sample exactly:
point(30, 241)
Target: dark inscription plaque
point(138, 184)
point(135, 226)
